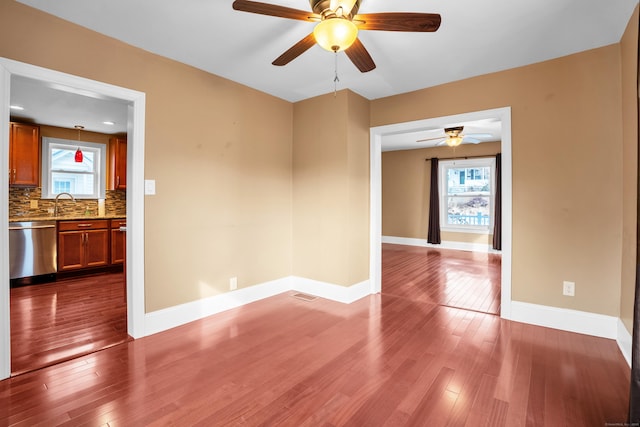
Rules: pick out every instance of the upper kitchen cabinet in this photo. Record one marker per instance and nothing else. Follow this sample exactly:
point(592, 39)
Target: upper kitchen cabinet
point(24, 155)
point(117, 179)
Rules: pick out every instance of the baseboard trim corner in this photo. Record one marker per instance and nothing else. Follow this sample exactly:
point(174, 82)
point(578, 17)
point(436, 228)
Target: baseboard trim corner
point(624, 341)
point(343, 294)
point(171, 317)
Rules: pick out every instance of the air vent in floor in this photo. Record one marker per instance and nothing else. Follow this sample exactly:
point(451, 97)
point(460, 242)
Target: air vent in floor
point(304, 297)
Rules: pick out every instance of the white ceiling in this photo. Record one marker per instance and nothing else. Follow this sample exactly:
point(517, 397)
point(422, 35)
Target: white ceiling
point(65, 107)
point(475, 37)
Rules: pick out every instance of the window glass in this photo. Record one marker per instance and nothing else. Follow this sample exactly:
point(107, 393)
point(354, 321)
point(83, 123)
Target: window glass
point(62, 173)
point(467, 194)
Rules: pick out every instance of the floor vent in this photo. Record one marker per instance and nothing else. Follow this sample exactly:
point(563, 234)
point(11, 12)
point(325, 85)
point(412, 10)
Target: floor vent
point(304, 297)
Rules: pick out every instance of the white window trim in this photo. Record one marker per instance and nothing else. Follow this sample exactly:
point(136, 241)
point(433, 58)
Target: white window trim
point(101, 161)
point(443, 165)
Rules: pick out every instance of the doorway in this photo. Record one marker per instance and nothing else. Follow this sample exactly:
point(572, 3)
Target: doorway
point(135, 184)
point(378, 135)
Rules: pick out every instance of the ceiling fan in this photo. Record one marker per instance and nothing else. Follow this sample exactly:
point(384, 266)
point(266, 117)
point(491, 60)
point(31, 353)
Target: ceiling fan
point(453, 137)
point(337, 25)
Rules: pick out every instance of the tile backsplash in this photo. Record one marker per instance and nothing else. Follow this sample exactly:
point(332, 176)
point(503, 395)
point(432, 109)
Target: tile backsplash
point(20, 204)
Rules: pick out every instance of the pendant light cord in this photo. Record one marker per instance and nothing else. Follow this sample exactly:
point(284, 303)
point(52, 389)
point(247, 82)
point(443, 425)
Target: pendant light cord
point(335, 79)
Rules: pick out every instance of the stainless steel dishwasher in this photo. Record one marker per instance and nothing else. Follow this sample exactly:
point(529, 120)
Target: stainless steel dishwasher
point(32, 248)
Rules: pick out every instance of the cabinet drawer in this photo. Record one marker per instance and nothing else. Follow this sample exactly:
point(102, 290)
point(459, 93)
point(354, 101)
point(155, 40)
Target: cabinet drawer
point(83, 225)
point(117, 223)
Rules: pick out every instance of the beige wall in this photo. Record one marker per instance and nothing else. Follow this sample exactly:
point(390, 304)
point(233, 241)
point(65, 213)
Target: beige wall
point(567, 180)
point(252, 186)
point(405, 191)
point(630, 93)
point(331, 188)
point(220, 154)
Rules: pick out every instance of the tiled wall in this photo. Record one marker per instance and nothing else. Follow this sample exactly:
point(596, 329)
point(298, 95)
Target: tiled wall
point(20, 204)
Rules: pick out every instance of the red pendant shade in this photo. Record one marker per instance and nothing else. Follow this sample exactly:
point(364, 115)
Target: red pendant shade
point(79, 156)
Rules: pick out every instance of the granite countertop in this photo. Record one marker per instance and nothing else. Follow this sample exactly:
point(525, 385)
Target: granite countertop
point(62, 218)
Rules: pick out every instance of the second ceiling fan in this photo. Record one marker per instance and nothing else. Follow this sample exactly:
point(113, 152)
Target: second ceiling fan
point(337, 26)
point(453, 137)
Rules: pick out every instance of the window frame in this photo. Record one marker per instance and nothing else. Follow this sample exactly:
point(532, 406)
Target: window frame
point(444, 166)
point(99, 172)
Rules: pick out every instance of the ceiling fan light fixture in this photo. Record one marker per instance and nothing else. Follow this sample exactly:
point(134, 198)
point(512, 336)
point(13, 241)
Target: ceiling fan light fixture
point(335, 34)
point(454, 141)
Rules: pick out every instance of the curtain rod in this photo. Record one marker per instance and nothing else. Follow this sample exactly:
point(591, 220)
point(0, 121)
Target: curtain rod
point(486, 156)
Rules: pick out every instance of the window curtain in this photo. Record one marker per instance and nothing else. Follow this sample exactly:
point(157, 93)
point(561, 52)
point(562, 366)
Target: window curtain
point(497, 216)
point(433, 235)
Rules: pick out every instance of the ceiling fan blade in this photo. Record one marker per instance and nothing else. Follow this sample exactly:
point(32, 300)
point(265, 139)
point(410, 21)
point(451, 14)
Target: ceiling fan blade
point(431, 139)
point(398, 21)
point(296, 50)
point(360, 57)
point(273, 10)
point(471, 140)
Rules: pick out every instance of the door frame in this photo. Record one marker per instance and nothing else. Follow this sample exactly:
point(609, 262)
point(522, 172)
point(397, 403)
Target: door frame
point(375, 220)
point(135, 190)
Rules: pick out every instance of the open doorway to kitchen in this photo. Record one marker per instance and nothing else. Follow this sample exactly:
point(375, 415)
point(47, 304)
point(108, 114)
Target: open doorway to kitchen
point(394, 133)
point(134, 103)
point(67, 296)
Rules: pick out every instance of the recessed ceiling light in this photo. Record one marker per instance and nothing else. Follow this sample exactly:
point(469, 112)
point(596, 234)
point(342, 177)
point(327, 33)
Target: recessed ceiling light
point(16, 107)
point(109, 122)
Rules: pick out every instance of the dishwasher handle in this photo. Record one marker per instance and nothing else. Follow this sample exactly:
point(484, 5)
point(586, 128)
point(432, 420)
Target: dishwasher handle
point(31, 227)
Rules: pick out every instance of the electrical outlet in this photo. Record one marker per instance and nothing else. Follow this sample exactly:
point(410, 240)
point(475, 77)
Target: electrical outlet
point(233, 283)
point(569, 288)
point(33, 204)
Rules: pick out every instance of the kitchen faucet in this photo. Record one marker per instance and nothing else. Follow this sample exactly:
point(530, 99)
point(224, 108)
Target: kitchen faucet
point(55, 208)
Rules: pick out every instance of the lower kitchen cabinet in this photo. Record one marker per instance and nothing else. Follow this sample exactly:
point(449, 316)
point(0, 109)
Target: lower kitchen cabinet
point(83, 244)
point(118, 241)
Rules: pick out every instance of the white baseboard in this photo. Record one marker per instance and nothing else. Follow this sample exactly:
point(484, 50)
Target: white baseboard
point(582, 322)
point(167, 318)
point(161, 320)
point(446, 244)
point(343, 294)
point(624, 341)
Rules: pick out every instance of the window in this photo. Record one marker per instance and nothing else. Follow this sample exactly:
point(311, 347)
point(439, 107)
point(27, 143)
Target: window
point(61, 173)
point(467, 195)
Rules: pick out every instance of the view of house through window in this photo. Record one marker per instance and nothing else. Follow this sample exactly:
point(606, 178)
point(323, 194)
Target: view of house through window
point(62, 173)
point(467, 190)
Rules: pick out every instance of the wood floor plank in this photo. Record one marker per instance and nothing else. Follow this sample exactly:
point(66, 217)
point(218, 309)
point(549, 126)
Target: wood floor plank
point(61, 320)
point(453, 278)
point(386, 360)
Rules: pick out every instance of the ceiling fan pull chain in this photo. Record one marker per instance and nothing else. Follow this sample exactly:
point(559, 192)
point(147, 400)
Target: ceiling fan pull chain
point(335, 79)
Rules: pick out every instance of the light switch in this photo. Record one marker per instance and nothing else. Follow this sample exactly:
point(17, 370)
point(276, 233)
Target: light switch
point(149, 187)
point(33, 204)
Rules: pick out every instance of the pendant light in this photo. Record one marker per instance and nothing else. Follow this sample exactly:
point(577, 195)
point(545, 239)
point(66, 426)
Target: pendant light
point(79, 157)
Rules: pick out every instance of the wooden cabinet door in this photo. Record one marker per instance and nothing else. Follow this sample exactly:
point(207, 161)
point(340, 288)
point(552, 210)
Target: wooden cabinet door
point(96, 248)
point(118, 242)
point(117, 164)
point(24, 155)
point(71, 250)
point(82, 249)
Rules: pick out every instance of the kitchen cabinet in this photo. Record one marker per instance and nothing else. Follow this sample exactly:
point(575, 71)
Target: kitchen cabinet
point(24, 155)
point(83, 244)
point(118, 241)
point(117, 176)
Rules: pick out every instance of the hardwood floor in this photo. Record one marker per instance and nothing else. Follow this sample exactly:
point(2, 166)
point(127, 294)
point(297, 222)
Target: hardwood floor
point(57, 321)
point(380, 361)
point(461, 279)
